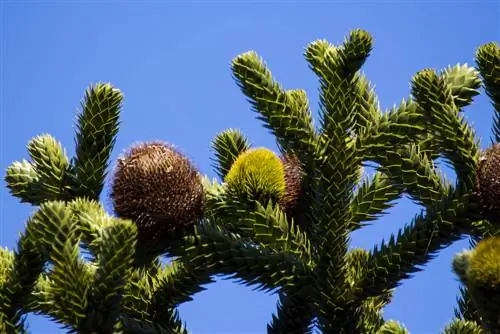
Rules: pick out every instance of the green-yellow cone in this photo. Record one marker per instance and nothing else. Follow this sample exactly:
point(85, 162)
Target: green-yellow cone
point(257, 174)
point(484, 265)
point(483, 281)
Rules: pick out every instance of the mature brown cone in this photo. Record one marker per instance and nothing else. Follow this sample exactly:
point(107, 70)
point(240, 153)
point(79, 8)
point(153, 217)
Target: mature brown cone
point(293, 183)
point(158, 188)
point(488, 182)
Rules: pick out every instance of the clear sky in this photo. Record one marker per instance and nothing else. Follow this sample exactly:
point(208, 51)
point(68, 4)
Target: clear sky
point(172, 61)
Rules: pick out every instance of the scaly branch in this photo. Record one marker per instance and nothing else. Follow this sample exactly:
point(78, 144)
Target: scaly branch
point(412, 169)
point(265, 225)
point(294, 315)
point(116, 244)
point(456, 139)
point(228, 254)
point(45, 177)
point(416, 244)
point(51, 165)
point(463, 327)
point(285, 113)
point(373, 197)
point(227, 146)
point(463, 82)
point(488, 62)
point(176, 284)
point(337, 162)
point(97, 128)
point(50, 225)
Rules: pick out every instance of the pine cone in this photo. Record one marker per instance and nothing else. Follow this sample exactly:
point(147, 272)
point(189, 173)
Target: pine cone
point(488, 183)
point(483, 274)
point(257, 175)
point(157, 188)
point(293, 185)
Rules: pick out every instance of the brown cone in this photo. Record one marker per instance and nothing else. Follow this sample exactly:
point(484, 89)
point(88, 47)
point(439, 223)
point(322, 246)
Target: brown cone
point(488, 182)
point(158, 188)
point(293, 183)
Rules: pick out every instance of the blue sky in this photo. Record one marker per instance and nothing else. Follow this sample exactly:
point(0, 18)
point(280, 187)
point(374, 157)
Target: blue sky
point(172, 61)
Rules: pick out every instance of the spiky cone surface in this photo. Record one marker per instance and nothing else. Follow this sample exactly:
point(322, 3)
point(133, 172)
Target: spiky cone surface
point(488, 183)
point(460, 264)
point(157, 187)
point(257, 175)
point(483, 279)
point(289, 202)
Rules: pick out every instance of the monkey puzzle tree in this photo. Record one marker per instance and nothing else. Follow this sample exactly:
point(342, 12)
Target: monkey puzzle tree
point(338, 289)
point(478, 269)
point(74, 262)
point(280, 222)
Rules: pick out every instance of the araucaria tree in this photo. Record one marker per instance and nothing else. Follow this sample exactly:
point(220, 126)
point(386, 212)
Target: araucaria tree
point(280, 222)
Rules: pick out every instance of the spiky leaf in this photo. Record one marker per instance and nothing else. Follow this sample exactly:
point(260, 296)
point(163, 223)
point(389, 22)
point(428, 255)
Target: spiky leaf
point(176, 284)
point(488, 62)
point(392, 327)
point(228, 145)
point(416, 244)
point(266, 226)
point(373, 198)
point(51, 165)
point(115, 257)
point(228, 254)
point(294, 316)
point(96, 131)
point(23, 182)
point(287, 115)
point(458, 326)
point(457, 140)
point(463, 82)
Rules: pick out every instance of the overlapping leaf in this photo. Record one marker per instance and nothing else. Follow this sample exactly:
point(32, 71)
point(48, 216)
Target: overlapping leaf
point(416, 244)
point(97, 127)
point(392, 327)
point(286, 114)
point(463, 327)
point(228, 254)
point(373, 198)
point(176, 284)
point(265, 225)
point(488, 62)
point(114, 265)
point(228, 145)
point(51, 165)
point(294, 315)
point(457, 140)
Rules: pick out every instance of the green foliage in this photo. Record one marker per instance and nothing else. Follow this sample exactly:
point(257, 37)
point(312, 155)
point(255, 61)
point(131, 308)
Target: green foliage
point(228, 254)
point(285, 113)
point(50, 163)
point(463, 83)
point(44, 177)
point(463, 327)
point(97, 128)
point(392, 327)
point(50, 175)
point(292, 316)
point(23, 182)
point(488, 61)
point(228, 146)
point(457, 140)
point(373, 197)
point(85, 269)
